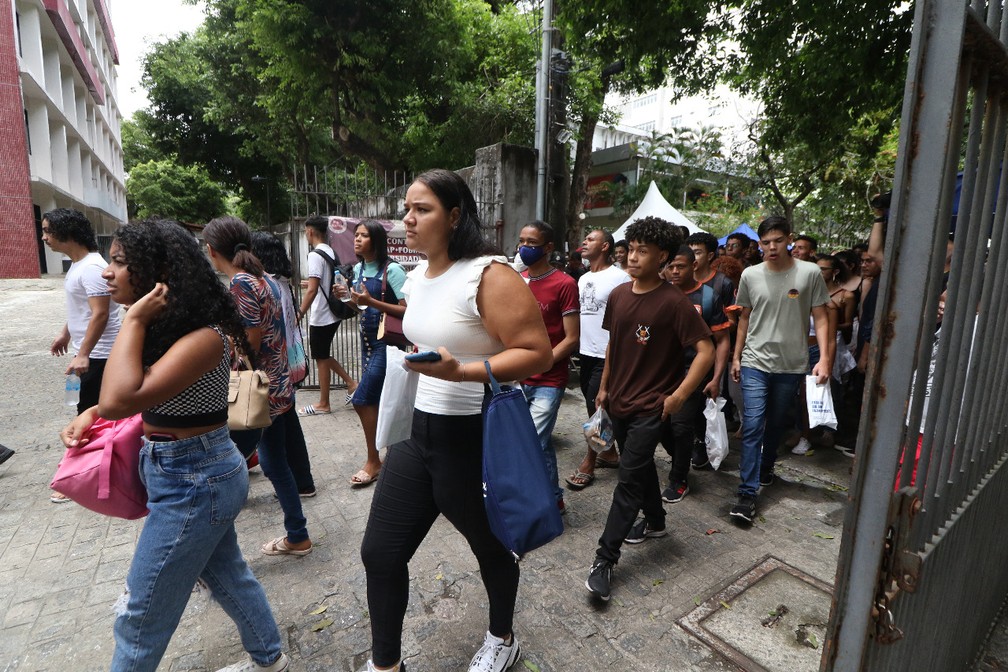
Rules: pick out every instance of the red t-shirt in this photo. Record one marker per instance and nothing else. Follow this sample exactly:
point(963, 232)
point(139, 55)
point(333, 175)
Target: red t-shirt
point(648, 336)
point(557, 294)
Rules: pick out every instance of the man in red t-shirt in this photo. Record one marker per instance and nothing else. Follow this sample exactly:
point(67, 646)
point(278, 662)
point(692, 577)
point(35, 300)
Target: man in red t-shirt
point(557, 294)
point(644, 381)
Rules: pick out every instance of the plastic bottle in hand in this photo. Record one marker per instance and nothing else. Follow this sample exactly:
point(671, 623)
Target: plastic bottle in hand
point(72, 390)
point(340, 287)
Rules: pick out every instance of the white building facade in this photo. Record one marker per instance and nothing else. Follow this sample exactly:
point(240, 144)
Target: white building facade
point(70, 153)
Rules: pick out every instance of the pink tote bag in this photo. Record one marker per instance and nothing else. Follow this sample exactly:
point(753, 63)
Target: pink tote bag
point(104, 474)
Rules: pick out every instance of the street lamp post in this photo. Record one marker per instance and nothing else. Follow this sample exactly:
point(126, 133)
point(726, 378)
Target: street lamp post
point(257, 179)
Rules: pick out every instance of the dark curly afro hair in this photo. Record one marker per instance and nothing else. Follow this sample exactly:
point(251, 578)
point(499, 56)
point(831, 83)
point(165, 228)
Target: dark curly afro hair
point(162, 250)
point(656, 231)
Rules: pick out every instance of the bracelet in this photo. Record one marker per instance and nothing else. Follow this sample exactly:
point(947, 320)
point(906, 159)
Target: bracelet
point(462, 369)
point(879, 220)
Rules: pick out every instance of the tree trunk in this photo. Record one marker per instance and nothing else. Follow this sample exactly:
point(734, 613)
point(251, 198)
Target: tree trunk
point(582, 170)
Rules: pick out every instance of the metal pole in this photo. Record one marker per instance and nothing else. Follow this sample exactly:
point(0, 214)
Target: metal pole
point(542, 108)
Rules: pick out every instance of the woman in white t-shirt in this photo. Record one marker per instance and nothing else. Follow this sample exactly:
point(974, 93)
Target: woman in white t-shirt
point(470, 307)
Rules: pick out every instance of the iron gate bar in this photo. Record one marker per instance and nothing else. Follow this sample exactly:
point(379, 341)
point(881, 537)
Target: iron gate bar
point(975, 442)
point(917, 198)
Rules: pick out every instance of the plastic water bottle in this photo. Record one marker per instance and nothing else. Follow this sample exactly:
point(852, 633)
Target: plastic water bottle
point(341, 288)
point(72, 390)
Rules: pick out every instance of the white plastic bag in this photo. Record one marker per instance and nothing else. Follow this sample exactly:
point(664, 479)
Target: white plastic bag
point(598, 431)
point(819, 400)
point(716, 436)
point(395, 410)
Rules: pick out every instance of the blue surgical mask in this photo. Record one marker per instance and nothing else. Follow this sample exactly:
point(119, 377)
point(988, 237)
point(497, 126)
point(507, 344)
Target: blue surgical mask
point(530, 255)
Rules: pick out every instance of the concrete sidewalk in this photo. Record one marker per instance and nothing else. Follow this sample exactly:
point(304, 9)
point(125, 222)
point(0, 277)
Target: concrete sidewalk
point(695, 600)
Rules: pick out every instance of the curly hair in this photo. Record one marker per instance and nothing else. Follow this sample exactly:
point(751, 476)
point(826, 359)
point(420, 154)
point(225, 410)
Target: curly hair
point(730, 267)
point(656, 231)
point(271, 252)
point(68, 224)
point(162, 250)
point(231, 238)
point(466, 240)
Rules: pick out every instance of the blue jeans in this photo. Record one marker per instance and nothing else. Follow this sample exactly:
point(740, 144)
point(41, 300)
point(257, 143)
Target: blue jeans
point(767, 399)
point(544, 403)
point(272, 444)
point(196, 488)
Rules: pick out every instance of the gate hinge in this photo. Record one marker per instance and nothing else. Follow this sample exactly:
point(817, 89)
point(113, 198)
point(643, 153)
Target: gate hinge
point(900, 568)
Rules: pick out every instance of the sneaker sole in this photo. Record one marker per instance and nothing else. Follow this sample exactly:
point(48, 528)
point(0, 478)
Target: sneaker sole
point(648, 535)
point(741, 516)
point(604, 598)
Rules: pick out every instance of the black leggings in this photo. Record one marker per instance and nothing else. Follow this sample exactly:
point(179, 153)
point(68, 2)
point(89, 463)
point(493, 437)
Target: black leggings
point(437, 471)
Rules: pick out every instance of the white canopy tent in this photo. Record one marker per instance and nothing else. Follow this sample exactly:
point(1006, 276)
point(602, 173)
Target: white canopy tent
point(655, 205)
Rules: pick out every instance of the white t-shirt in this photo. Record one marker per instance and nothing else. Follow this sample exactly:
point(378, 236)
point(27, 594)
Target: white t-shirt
point(594, 289)
point(83, 280)
point(443, 311)
point(318, 267)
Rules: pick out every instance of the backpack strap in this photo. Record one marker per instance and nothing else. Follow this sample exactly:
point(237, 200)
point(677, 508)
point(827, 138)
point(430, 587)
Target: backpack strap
point(707, 303)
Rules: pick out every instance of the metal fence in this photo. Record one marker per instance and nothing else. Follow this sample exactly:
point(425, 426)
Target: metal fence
point(922, 572)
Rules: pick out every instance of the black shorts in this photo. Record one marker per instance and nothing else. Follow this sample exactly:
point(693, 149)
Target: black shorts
point(320, 340)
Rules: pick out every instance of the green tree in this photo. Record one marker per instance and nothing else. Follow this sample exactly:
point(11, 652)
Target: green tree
point(166, 188)
point(653, 42)
point(137, 142)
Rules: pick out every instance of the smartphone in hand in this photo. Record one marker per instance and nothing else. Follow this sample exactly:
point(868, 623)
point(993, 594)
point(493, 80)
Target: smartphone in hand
point(428, 356)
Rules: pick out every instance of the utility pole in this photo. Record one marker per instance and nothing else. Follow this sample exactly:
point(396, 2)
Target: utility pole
point(543, 109)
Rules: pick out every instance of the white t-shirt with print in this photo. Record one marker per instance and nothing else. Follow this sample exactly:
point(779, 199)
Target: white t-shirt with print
point(593, 290)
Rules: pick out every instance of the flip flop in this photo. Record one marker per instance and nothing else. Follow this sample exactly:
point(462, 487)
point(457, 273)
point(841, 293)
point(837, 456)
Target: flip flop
point(279, 547)
point(361, 479)
point(602, 463)
point(311, 410)
point(579, 480)
point(348, 399)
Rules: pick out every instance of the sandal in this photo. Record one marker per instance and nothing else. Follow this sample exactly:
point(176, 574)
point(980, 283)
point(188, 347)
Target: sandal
point(579, 480)
point(311, 410)
point(362, 478)
point(279, 547)
point(602, 463)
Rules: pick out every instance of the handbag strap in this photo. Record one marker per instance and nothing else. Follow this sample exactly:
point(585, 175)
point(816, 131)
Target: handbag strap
point(105, 468)
point(494, 385)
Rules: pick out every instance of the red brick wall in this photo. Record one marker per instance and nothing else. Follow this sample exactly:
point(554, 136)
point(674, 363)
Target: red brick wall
point(18, 243)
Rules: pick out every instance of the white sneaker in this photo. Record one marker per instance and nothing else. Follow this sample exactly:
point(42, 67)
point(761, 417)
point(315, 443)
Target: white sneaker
point(803, 447)
point(494, 655)
point(251, 666)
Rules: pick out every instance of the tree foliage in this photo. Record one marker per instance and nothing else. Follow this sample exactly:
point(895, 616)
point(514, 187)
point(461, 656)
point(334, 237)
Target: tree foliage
point(166, 188)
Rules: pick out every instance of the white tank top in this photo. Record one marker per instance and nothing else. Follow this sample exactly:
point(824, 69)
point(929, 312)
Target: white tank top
point(442, 311)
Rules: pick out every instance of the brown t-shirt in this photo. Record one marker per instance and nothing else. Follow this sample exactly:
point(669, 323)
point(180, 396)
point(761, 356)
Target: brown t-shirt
point(648, 334)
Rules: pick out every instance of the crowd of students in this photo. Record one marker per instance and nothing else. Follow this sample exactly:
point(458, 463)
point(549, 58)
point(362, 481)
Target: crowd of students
point(655, 325)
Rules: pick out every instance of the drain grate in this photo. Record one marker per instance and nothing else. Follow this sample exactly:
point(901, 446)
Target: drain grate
point(732, 620)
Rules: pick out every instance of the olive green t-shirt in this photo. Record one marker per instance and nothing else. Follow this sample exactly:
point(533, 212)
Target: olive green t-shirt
point(781, 302)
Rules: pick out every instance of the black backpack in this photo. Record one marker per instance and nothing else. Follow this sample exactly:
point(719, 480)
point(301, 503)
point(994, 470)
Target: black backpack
point(341, 310)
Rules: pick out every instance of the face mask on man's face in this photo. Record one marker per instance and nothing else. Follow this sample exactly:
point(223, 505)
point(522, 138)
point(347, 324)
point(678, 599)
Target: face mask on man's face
point(530, 255)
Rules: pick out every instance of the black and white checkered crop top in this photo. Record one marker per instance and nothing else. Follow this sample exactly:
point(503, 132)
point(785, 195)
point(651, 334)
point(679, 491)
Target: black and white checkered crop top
point(202, 403)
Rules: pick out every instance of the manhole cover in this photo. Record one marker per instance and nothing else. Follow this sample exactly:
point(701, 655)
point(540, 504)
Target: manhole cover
point(745, 623)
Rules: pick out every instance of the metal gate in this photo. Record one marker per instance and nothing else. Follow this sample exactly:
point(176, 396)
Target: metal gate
point(922, 571)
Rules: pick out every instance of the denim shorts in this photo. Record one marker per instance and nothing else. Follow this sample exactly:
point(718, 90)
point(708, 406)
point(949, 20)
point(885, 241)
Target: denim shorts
point(369, 389)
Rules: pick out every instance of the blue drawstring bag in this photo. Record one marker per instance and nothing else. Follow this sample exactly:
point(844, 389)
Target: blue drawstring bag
point(520, 502)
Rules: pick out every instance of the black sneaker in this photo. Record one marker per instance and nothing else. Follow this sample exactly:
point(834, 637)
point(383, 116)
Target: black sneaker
point(642, 530)
point(5, 454)
point(744, 509)
point(675, 493)
point(700, 461)
point(599, 579)
point(767, 479)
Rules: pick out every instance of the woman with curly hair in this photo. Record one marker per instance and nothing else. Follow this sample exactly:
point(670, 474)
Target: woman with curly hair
point(271, 252)
point(171, 363)
point(257, 296)
point(377, 290)
point(470, 306)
